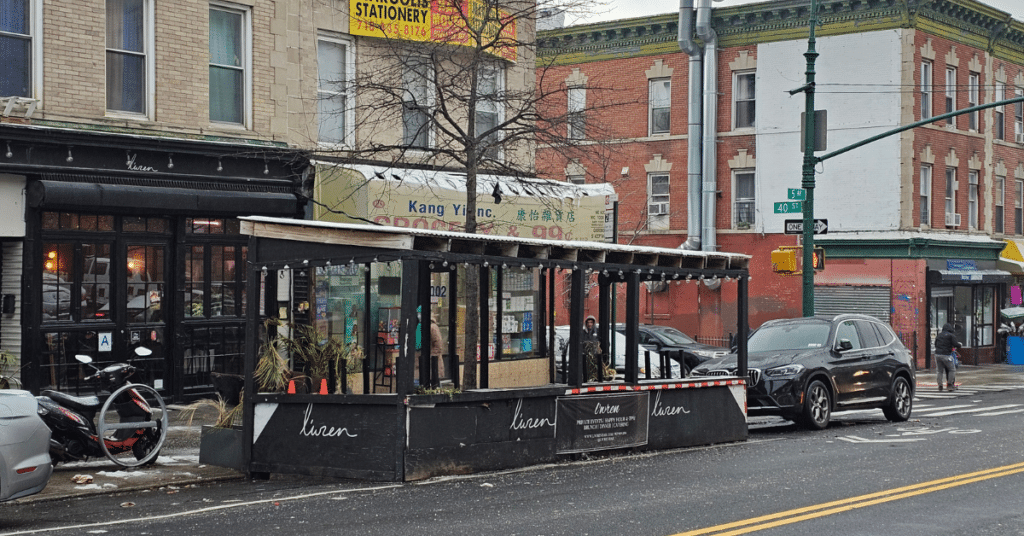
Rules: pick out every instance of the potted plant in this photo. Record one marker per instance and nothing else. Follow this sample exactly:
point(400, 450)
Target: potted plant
point(8, 366)
point(220, 443)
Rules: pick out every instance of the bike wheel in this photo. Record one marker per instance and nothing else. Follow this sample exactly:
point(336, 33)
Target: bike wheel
point(133, 442)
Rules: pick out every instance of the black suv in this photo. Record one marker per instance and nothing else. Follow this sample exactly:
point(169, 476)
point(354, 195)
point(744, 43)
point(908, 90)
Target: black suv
point(804, 368)
point(676, 345)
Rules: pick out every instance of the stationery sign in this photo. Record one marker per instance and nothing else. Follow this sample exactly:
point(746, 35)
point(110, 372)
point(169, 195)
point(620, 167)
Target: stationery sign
point(438, 21)
point(601, 422)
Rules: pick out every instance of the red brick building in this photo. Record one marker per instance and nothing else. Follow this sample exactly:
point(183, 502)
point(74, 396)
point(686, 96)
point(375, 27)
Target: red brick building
point(700, 135)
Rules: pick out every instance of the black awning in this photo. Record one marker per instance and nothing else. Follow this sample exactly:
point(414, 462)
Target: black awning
point(968, 277)
point(60, 195)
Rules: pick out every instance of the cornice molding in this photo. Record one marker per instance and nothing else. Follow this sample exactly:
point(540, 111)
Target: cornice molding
point(968, 22)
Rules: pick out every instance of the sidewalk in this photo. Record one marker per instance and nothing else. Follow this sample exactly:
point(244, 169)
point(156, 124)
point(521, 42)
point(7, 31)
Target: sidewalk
point(177, 466)
point(967, 375)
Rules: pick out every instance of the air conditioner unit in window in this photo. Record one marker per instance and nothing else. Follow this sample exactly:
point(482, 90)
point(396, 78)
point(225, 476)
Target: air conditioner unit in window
point(657, 209)
point(952, 220)
point(1019, 137)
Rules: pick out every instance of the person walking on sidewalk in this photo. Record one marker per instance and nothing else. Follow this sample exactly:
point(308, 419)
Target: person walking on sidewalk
point(945, 343)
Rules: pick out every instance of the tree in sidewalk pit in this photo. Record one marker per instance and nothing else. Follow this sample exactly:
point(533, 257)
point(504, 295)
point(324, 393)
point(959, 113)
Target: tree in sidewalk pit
point(463, 93)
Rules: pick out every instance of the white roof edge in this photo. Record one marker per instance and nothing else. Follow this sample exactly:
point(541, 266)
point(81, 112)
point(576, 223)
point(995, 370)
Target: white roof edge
point(906, 235)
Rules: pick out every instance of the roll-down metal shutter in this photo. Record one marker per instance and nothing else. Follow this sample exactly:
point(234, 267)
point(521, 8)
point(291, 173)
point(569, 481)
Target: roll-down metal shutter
point(874, 301)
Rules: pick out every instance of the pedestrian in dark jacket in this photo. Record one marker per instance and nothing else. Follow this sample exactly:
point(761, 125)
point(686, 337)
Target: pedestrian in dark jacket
point(945, 343)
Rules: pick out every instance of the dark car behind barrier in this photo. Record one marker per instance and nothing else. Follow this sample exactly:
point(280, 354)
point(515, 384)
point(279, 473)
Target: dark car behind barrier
point(803, 369)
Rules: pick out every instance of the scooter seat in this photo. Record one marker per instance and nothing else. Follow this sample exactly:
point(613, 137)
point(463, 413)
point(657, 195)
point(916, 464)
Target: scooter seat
point(80, 403)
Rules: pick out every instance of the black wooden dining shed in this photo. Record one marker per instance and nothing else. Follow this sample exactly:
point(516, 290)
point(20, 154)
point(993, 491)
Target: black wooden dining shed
point(401, 418)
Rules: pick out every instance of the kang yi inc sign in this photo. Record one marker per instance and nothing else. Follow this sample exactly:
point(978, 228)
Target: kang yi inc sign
point(437, 21)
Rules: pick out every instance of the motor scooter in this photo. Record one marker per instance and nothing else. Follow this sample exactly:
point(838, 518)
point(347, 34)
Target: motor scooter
point(76, 433)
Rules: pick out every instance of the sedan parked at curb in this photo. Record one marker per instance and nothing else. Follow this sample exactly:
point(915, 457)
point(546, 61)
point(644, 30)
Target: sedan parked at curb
point(25, 464)
point(803, 369)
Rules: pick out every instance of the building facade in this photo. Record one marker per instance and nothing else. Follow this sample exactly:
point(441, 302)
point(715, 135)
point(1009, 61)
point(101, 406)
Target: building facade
point(700, 132)
point(133, 135)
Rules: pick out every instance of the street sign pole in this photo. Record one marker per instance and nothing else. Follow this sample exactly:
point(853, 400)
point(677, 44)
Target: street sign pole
point(808, 171)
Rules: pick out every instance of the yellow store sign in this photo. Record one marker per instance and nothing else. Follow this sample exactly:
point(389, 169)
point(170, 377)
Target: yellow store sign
point(438, 21)
point(432, 200)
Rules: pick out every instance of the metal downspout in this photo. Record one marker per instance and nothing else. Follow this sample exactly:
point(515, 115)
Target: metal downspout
point(709, 191)
point(693, 145)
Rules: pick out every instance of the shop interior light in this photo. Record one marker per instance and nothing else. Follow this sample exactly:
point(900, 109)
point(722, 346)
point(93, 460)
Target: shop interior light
point(170, 161)
point(9, 153)
point(70, 158)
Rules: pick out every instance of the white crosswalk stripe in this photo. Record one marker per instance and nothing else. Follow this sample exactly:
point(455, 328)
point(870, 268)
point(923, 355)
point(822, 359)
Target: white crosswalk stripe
point(971, 410)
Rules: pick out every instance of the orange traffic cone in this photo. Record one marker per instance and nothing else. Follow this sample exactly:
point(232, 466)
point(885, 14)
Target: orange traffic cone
point(291, 387)
point(323, 386)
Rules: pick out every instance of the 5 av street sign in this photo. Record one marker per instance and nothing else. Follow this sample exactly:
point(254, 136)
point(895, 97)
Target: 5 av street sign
point(797, 226)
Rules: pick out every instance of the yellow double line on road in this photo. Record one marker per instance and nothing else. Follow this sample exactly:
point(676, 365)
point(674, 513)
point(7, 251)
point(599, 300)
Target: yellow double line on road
point(789, 517)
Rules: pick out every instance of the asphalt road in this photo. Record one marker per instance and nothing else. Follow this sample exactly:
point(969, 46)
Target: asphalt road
point(956, 468)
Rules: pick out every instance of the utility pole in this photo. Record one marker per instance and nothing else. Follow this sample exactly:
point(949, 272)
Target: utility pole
point(808, 171)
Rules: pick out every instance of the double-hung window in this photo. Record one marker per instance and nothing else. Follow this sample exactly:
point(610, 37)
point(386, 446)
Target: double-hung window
point(333, 89)
point(951, 197)
point(972, 199)
point(16, 48)
point(128, 56)
point(1018, 206)
point(1018, 117)
point(577, 120)
point(417, 99)
point(951, 95)
point(972, 101)
point(657, 201)
point(1000, 113)
point(926, 89)
point(229, 65)
point(659, 100)
point(489, 109)
point(999, 196)
point(743, 100)
point(926, 195)
point(743, 208)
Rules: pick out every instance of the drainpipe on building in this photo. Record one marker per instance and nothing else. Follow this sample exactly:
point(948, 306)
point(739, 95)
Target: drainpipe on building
point(693, 106)
point(709, 191)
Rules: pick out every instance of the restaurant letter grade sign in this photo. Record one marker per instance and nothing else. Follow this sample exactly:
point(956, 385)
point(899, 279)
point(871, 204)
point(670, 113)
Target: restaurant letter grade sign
point(439, 21)
point(601, 422)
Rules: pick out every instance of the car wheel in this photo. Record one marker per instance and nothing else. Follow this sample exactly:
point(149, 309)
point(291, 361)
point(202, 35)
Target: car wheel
point(901, 401)
point(817, 406)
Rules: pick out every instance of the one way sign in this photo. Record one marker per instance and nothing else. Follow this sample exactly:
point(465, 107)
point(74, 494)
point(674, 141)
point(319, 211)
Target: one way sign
point(797, 226)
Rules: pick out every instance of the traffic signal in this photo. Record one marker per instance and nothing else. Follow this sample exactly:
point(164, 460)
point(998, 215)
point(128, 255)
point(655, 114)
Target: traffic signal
point(784, 261)
point(818, 259)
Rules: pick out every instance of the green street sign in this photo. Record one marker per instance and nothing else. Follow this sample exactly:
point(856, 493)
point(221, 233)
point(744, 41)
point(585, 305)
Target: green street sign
point(789, 207)
point(797, 194)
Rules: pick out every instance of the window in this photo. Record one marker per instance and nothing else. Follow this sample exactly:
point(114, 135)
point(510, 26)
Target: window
point(127, 56)
point(926, 89)
point(577, 179)
point(972, 100)
point(1000, 199)
point(489, 111)
point(229, 62)
point(1018, 117)
point(743, 208)
point(657, 201)
point(1000, 116)
point(743, 100)
point(660, 102)
point(417, 100)
point(926, 195)
point(332, 90)
point(950, 95)
point(972, 199)
point(950, 197)
point(1018, 206)
point(16, 48)
point(577, 120)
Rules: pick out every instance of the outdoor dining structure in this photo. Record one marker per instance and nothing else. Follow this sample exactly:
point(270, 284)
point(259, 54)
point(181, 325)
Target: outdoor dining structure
point(396, 408)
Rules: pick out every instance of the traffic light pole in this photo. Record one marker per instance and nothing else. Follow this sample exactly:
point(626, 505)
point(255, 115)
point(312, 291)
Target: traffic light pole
point(808, 171)
point(810, 161)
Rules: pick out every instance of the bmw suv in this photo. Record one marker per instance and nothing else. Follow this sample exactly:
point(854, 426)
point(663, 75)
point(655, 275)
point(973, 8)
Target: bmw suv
point(803, 369)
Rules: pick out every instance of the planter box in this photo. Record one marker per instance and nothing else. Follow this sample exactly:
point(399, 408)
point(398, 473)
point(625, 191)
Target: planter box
point(221, 447)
